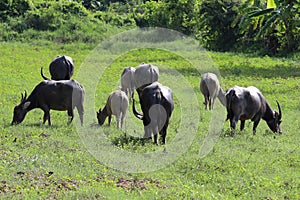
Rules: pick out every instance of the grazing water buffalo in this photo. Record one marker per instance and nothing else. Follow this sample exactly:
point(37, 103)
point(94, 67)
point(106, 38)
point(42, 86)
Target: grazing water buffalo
point(61, 68)
point(210, 88)
point(56, 95)
point(157, 105)
point(127, 81)
point(116, 104)
point(144, 75)
point(249, 103)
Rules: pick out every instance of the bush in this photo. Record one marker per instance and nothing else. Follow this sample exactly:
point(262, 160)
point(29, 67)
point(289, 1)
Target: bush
point(14, 8)
point(173, 14)
point(213, 27)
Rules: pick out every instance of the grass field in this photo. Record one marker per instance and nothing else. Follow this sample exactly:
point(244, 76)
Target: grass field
point(41, 162)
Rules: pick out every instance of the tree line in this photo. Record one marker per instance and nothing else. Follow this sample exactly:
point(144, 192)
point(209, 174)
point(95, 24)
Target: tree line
point(267, 26)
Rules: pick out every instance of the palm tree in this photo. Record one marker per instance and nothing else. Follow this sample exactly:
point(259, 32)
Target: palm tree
point(271, 19)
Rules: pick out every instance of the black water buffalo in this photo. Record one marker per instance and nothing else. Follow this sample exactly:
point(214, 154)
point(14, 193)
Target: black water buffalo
point(157, 105)
point(249, 103)
point(56, 95)
point(61, 68)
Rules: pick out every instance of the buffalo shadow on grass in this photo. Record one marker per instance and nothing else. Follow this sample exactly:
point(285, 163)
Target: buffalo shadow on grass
point(124, 139)
point(278, 71)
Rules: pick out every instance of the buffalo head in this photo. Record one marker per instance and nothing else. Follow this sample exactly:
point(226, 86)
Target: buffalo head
point(275, 121)
point(101, 117)
point(20, 110)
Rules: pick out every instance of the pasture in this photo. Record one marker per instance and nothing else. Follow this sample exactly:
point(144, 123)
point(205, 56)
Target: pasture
point(41, 162)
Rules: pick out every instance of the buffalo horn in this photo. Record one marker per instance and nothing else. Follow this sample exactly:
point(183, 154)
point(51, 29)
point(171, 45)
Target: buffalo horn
point(279, 109)
point(135, 112)
point(25, 96)
point(22, 97)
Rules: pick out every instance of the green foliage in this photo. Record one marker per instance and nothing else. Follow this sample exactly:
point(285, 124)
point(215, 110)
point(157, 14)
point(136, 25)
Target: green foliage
point(64, 21)
point(13, 8)
point(214, 28)
point(172, 14)
point(275, 27)
point(269, 27)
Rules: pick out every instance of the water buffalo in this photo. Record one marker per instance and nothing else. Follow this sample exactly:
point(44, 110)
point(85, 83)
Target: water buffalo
point(249, 103)
point(127, 81)
point(157, 106)
point(61, 68)
point(116, 104)
point(144, 75)
point(210, 88)
point(56, 95)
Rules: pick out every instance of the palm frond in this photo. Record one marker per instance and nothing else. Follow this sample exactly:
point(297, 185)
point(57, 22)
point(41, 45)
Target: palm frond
point(268, 24)
point(260, 12)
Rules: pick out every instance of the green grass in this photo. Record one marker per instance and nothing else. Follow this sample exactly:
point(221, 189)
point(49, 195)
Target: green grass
point(38, 162)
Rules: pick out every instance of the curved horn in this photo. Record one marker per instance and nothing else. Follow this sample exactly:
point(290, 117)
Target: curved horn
point(25, 96)
point(22, 97)
point(135, 112)
point(279, 109)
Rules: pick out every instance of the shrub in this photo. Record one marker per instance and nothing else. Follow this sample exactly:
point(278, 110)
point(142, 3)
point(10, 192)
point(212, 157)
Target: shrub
point(213, 27)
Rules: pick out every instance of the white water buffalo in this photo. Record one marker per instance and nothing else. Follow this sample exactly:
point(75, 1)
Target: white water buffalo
point(61, 68)
point(116, 104)
point(144, 75)
point(157, 105)
point(127, 81)
point(249, 103)
point(56, 95)
point(210, 88)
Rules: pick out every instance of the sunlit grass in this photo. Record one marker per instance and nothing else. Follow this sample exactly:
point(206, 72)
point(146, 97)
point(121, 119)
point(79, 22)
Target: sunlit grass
point(37, 161)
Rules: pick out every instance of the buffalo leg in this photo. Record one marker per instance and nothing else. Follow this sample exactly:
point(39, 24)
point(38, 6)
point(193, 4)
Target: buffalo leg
point(46, 115)
point(147, 131)
point(255, 124)
point(242, 125)
point(163, 134)
point(155, 138)
point(233, 122)
point(118, 120)
point(109, 120)
point(80, 111)
point(155, 134)
point(206, 99)
point(71, 115)
point(212, 103)
point(122, 120)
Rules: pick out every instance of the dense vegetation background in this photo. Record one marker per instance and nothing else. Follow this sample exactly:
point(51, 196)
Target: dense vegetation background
point(269, 27)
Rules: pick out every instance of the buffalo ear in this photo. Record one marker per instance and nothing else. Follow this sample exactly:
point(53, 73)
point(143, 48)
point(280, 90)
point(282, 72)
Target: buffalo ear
point(26, 105)
point(276, 115)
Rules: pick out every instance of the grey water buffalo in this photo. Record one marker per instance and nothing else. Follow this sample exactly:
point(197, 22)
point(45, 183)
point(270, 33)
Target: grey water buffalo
point(211, 89)
point(48, 95)
point(61, 68)
point(249, 103)
point(127, 81)
point(144, 75)
point(157, 106)
point(116, 104)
